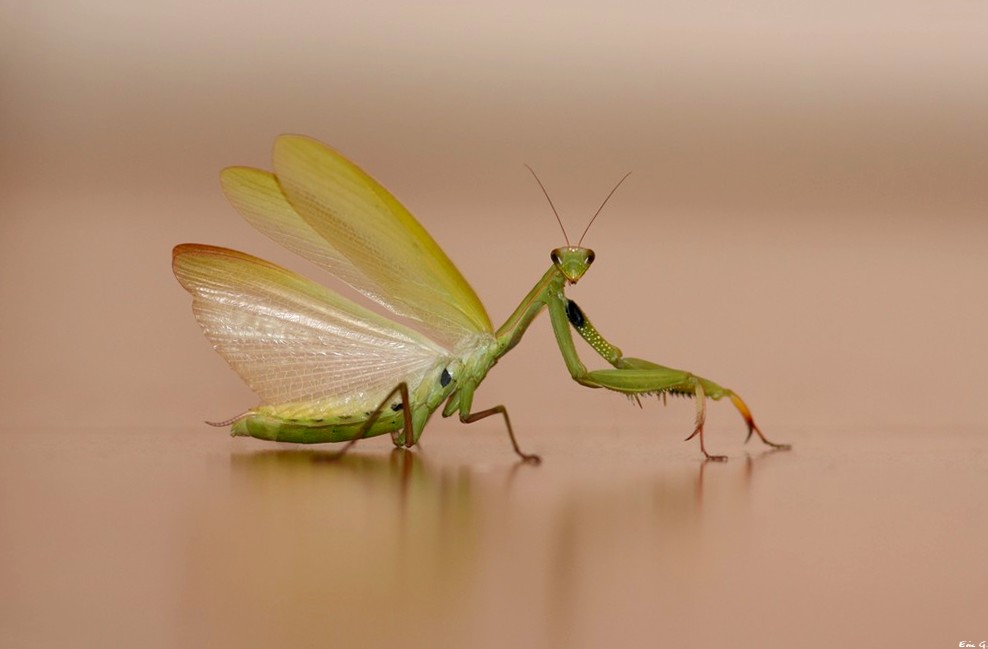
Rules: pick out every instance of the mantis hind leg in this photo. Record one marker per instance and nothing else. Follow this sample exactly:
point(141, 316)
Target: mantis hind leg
point(406, 432)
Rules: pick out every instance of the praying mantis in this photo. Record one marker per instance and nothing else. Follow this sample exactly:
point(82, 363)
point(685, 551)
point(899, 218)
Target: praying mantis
point(329, 370)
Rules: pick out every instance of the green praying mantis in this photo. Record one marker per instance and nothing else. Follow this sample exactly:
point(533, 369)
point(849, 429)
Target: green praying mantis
point(329, 370)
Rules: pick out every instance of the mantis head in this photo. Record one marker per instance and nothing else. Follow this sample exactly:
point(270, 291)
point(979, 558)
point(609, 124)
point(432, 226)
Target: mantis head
point(572, 261)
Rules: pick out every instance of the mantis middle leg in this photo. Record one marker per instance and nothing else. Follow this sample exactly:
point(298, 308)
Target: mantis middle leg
point(463, 402)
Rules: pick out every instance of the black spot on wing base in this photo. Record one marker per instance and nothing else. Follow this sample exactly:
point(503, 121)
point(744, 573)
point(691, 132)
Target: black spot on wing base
point(445, 378)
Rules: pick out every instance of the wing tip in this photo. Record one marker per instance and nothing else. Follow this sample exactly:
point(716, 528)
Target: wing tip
point(192, 253)
point(185, 253)
point(193, 248)
point(183, 249)
point(288, 139)
point(292, 146)
point(239, 180)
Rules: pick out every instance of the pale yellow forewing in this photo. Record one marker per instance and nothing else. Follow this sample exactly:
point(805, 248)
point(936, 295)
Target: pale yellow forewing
point(294, 341)
point(257, 195)
point(368, 227)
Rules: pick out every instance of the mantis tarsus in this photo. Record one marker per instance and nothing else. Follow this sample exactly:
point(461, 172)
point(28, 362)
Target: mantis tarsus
point(329, 370)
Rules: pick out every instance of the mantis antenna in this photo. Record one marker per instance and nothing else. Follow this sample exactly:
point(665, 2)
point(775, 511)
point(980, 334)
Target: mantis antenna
point(559, 220)
point(594, 218)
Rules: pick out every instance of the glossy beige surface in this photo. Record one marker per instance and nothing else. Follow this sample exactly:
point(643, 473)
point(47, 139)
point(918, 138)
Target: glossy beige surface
point(175, 538)
point(805, 223)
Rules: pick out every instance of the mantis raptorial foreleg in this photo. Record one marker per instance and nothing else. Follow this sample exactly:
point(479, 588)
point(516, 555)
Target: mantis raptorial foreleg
point(634, 376)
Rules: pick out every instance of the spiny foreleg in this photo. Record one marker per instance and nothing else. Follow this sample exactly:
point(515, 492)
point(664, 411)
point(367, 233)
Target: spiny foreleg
point(634, 376)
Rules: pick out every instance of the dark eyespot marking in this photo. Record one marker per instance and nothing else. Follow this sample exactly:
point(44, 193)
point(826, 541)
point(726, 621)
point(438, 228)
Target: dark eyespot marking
point(575, 315)
point(554, 257)
point(397, 406)
point(318, 421)
point(445, 378)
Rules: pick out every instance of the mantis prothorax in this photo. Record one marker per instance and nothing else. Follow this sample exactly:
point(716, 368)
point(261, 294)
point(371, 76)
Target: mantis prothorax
point(329, 370)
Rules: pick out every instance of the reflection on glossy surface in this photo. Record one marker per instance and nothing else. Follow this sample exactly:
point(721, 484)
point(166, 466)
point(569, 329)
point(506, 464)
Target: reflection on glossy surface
point(164, 539)
point(301, 544)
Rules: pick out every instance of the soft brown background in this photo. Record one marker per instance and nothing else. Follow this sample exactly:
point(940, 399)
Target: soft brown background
point(806, 222)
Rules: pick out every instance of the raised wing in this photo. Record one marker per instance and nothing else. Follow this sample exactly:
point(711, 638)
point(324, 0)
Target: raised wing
point(294, 341)
point(328, 210)
point(257, 195)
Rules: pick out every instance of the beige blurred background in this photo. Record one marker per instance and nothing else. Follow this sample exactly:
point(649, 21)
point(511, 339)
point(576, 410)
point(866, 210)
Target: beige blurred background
point(805, 221)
